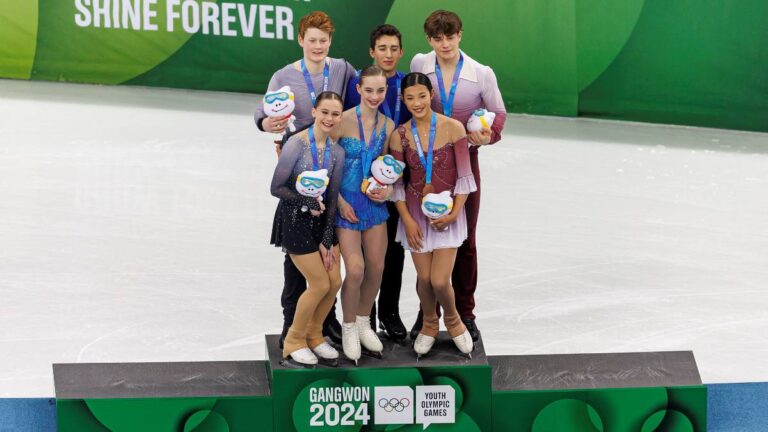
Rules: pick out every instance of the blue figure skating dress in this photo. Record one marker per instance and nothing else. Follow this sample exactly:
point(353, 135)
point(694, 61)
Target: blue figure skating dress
point(369, 213)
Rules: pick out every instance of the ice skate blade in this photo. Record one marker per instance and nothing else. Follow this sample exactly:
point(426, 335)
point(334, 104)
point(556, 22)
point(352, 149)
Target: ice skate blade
point(290, 363)
point(374, 354)
point(328, 362)
point(383, 335)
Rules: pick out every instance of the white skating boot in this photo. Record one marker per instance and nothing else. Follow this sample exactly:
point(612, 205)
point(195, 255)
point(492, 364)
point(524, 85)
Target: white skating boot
point(326, 354)
point(423, 344)
point(368, 338)
point(464, 343)
point(304, 357)
point(350, 341)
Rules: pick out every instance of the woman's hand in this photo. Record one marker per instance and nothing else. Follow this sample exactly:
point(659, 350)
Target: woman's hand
point(274, 125)
point(346, 211)
point(322, 208)
point(442, 223)
point(379, 195)
point(413, 234)
point(328, 256)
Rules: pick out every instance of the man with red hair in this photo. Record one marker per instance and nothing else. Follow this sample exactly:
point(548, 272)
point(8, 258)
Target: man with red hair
point(307, 77)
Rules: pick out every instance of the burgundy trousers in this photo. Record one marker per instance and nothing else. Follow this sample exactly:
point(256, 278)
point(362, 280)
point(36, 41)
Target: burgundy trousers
point(464, 277)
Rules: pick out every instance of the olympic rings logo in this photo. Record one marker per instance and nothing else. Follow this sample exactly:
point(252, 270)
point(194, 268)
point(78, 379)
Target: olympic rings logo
point(394, 404)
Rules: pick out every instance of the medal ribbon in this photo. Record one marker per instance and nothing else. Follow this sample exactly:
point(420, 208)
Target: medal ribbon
point(368, 147)
point(387, 111)
point(448, 102)
point(426, 163)
point(313, 149)
point(308, 80)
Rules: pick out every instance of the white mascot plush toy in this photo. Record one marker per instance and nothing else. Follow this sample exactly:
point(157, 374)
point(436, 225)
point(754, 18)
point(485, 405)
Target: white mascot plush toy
point(385, 170)
point(480, 119)
point(435, 206)
point(279, 105)
point(312, 184)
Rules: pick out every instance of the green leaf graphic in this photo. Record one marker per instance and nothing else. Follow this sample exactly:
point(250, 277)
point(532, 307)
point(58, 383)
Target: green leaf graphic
point(67, 52)
point(18, 37)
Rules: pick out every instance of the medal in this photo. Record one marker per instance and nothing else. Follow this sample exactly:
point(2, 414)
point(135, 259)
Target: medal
point(308, 80)
point(426, 162)
point(448, 102)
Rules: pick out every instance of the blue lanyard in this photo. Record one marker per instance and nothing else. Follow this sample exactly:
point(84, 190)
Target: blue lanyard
point(368, 147)
point(313, 149)
point(308, 80)
point(426, 163)
point(387, 111)
point(448, 102)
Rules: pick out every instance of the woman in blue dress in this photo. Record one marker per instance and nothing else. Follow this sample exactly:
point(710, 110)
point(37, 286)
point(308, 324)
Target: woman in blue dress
point(361, 221)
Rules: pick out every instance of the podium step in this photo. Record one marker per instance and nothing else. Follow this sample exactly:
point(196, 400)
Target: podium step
point(585, 371)
point(396, 354)
point(649, 391)
point(160, 380)
point(163, 396)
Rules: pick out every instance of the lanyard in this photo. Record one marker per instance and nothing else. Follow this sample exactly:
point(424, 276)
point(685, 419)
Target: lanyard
point(308, 80)
point(387, 111)
point(448, 102)
point(368, 147)
point(313, 149)
point(427, 164)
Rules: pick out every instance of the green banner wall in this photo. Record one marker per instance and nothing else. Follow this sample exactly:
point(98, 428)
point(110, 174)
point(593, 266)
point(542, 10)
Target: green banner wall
point(694, 62)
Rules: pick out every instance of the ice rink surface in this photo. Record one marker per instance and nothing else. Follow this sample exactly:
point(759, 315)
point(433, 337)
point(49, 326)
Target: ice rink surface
point(134, 226)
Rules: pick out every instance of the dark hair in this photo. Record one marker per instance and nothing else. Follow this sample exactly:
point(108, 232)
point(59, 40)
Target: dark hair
point(328, 95)
point(385, 30)
point(413, 79)
point(370, 71)
point(442, 22)
point(317, 19)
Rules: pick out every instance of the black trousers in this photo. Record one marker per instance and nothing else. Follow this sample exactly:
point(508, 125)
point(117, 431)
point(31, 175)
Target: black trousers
point(392, 279)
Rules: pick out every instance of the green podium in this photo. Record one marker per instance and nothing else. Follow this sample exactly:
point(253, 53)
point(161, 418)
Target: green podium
point(443, 391)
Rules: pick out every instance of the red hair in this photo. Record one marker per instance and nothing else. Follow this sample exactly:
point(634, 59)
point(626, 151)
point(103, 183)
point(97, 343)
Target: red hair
point(317, 19)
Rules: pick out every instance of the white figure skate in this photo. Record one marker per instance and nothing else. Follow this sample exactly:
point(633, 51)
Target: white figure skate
point(326, 354)
point(423, 344)
point(464, 343)
point(350, 341)
point(302, 357)
point(368, 338)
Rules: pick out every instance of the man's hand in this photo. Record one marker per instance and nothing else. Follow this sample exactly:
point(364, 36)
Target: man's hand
point(274, 125)
point(481, 137)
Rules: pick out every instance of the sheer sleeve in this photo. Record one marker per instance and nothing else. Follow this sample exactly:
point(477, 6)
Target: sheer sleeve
point(281, 187)
point(332, 196)
point(465, 181)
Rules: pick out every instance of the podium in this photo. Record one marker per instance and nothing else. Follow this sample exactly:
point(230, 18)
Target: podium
point(443, 391)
